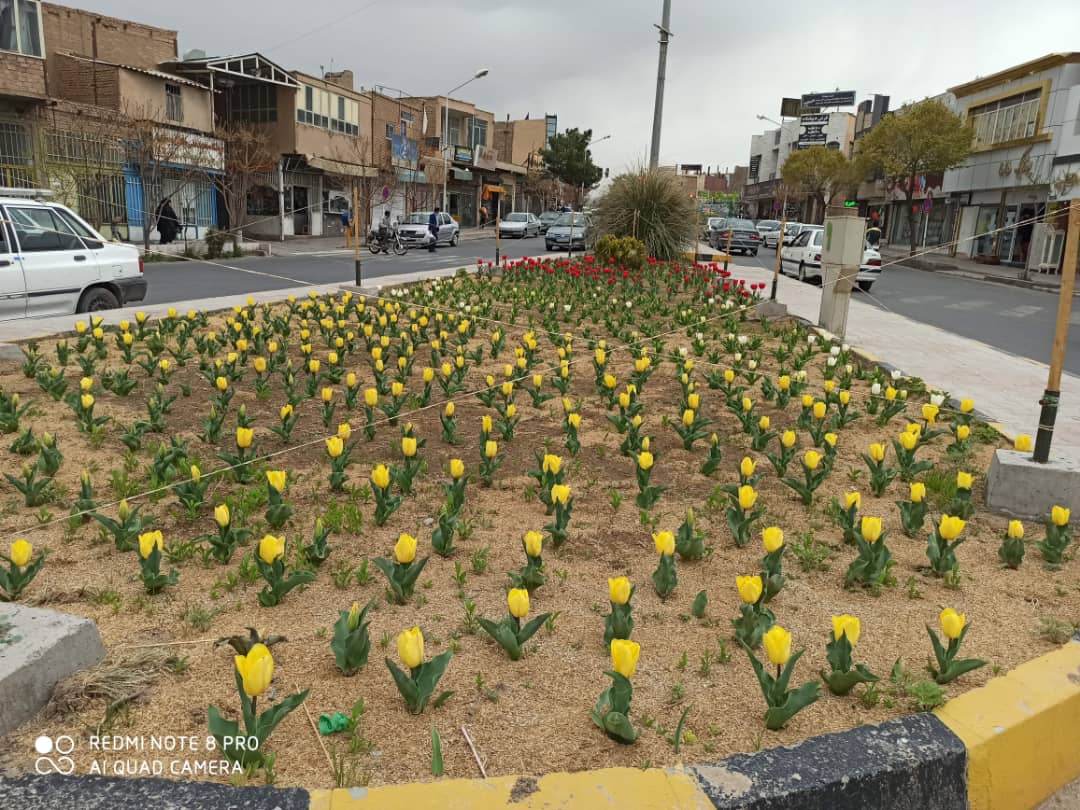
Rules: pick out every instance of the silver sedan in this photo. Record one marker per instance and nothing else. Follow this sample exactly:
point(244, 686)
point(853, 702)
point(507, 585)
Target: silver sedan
point(520, 225)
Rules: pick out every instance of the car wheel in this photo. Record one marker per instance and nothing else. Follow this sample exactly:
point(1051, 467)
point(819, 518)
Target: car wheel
point(548, 247)
point(802, 272)
point(865, 285)
point(753, 253)
point(97, 299)
point(454, 239)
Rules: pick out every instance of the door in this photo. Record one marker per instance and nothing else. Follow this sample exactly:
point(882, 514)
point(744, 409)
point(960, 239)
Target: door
point(446, 227)
point(12, 287)
point(56, 264)
point(790, 254)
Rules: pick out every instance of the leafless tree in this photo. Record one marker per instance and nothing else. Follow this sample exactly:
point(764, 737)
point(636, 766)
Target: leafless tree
point(248, 158)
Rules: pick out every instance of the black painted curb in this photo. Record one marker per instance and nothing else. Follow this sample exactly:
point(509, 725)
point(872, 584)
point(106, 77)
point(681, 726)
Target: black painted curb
point(912, 763)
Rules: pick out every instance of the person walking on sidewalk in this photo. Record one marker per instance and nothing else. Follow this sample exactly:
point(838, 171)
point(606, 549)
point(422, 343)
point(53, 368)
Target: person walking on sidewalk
point(433, 229)
point(483, 217)
point(346, 223)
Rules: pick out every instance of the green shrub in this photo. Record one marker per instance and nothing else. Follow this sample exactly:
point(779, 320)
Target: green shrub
point(626, 251)
point(652, 206)
point(215, 243)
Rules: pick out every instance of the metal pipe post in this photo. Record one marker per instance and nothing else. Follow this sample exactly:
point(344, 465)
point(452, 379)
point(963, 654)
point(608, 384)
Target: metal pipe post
point(356, 238)
point(661, 72)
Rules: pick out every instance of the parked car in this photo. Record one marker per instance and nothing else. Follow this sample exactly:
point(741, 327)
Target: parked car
point(764, 225)
point(546, 220)
point(414, 230)
point(743, 236)
point(558, 235)
point(52, 262)
point(520, 225)
point(791, 230)
point(802, 258)
point(711, 224)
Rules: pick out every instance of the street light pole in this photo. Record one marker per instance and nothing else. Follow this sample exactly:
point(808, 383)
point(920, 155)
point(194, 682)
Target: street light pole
point(661, 72)
point(481, 73)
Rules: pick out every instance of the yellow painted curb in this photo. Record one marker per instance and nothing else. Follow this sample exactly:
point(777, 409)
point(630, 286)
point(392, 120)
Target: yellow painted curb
point(1021, 732)
point(622, 788)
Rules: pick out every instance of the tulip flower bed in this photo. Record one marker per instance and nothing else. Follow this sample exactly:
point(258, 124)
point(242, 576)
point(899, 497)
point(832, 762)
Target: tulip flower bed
point(593, 517)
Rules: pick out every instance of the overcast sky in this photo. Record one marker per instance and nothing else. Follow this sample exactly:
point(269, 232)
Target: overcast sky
point(593, 62)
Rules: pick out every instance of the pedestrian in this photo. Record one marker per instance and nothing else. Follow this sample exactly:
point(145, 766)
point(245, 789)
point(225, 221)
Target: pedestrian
point(346, 224)
point(483, 217)
point(433, 229)
point(168, 224)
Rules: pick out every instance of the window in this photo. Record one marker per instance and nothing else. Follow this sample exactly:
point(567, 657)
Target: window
point(389, 130)
point(406, 119)
point(1007, 119)
point(174, 103)
point(341, 108)
point(20, 27)
point(16, 156)
point(38, 231)
point(551, 124)
point(253, 104)
point(479, 132)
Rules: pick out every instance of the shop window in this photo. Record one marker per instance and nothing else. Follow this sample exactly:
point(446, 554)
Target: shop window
point(1007, 119)
point(20, 27)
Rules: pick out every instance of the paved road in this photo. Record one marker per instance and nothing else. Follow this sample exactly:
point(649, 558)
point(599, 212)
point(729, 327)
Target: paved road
point(1016, 320)
point(186, 280)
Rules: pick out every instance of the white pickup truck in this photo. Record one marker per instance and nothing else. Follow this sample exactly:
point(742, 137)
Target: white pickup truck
point(53, 263)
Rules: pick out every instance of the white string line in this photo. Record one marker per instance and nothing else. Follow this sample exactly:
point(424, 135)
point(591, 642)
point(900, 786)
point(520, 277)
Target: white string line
point(286, 450)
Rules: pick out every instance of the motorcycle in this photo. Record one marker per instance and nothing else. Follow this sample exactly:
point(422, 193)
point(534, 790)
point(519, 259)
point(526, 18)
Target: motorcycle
point(383, 241)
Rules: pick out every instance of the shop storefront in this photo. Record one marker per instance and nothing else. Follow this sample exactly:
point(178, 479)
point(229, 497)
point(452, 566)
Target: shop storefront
point(1003, 224)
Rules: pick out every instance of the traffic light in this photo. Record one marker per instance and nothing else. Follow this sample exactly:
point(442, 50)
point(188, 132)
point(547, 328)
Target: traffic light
point(851, 203)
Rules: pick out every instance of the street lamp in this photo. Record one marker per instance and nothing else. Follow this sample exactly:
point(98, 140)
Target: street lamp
point(481, 73)
point(586, 154)
point(770, 120)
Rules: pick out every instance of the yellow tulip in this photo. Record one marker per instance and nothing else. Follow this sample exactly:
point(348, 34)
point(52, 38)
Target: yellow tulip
point(950, 527)
point(335, 447)
point(645, 460)
point(729, 375)
point(747, 404)
point(1022, 443)
point(812, 459)
point(610, 381)
point(688, 418)
point(890, 393)
point(764, 423)
point(747, 497)
point(534, 544)
point(148, 541)
point(845, 397)
point(314, 366)
point(485, 423)
point(271, 548)
point(276, 479)
point(87, 401)
point(408, 446)
point(749, 588)
point(909, 441)
point(601, 357)
point(491, 448)
point(624, 656)
point(511, 411)
point(429, 374)
point(777, 642)
point(819, 410)
point(930, 413)
point(664, 542)
point(788, 439)
point(830, 385)
point(784, 382)
point(98, 333)
point(963, 480)
point(746, 467)
point(244, 437)
point(221, 515)
point(196, 474)
point(139, 316)
point(853, 498)
point(807, 401)
point(846, 626)
point(552, 464)
point(410, 647)
point(286, 411)
point(870, 528)
point(344, 431)
point(962, 432)
point(967, 405)
point(1016, 530)
point(256, 669)
point(86, 383)
point(128, 339)
point(619, 590)
point(327, 394)
point(830, 439)
point(952, 623)
point(918, 492)
point(20, 553)
point(694, 401)
point(123, 510)
point(405, 549)
point(396, 389)
point(518, 601)
point(80, 327)
point(332, 358)
point(1059, 516)
point(259, 364)
point(537, 380)
point(624, 400)
point(221, 384)
point(574, 419)
point(560, 493)
point(773, 538)
point(457, 468)
point(380, 476)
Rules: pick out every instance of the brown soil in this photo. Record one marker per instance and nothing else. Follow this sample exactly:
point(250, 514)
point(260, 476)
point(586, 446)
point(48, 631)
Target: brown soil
point(533, 715)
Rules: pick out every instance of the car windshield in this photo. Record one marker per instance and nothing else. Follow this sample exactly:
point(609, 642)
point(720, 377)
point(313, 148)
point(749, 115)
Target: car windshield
point(741, 225)
point(417, 219)
point(716, 222)
point(548, 216)
point(516, 218)
point(564, 220)
point(768, 225)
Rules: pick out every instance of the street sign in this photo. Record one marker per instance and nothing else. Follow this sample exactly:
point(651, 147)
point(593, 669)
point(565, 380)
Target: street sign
point(812, 130)
point(790, 107)
point(837, 98)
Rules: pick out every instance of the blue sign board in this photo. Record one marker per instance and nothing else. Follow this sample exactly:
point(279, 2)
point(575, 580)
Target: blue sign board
point(404, 149)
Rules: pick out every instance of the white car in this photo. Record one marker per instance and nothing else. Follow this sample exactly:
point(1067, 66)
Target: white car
point(802, 258)
point(53, 263)
point(791, 229)
point(765, 225)
point(520, 224)
point(414, 230)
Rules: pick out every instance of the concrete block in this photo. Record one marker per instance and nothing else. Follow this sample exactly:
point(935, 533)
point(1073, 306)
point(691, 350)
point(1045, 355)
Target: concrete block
point(38, 648)
point(912, 763)
point(365, 290)
point(771, 310)
point(1018, 486)
point(10, 353)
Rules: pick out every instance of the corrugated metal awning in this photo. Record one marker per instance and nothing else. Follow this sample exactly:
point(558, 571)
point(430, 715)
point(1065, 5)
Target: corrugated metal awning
point(331, 166)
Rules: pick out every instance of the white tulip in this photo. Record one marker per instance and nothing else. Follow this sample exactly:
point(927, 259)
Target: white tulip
point(811, 339)
point(699, 335)
point(875, 389)
point(738, 357)
point(752, 364)
point(832, 362)
point(845, 347)
point(834, 351)
point(682, 351)
point(937, 399)
point(743, 340)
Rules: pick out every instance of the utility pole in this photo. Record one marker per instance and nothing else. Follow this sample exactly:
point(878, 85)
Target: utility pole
point(1052, 395)
point(661, 71)
point(356, 237)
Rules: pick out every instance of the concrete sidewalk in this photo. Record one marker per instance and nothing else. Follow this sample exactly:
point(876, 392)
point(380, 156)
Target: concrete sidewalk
point(1005, 387)
point(968, 268)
